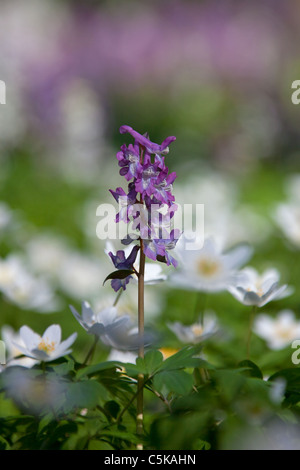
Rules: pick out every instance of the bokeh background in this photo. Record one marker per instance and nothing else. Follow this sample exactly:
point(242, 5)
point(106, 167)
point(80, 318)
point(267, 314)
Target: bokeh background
point(217, 75)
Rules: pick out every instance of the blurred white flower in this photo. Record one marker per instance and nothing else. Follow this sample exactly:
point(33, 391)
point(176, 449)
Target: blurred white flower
point(34, 393)
point(273, 435)
point(279, 332)
point(293, 187)
point(207, 269)
point(46, 254)
point(253, 289)
point(287, 217)
point(20, 287)
point(196, 332)
point(82, 124)
point(101, 323)
point(113, 330)
point(122, 356)
point(236, 223)
point(76, 273)
point(10, 338)
point(47, 347)
point(81, 276)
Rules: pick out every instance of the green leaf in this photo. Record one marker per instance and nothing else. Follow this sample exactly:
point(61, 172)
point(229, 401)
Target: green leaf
point(292, 380)
point(161, 259)
point(113, 408)
point(65, 368)
point(177, 381)
point(119, 274)
point(133, 370)
point(153, 360)
point(185, 358)
point(84, 394)
point(99, 445)
point(229, 383)
point(4, 445)
point(251, 369)
point(96, 368)
point(45, 421)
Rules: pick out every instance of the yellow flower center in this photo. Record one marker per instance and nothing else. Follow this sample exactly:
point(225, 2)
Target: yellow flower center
point(259, 291)
point(207, 267)
point(285, 332)
point(46, 346)
point(197, 330)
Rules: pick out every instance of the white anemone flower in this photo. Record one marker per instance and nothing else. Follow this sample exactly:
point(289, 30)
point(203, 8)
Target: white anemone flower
point(10, 338)
point(278, 332)
point(80, 275)
point(208, 269)
point(46, 254)
point(253, 289)
point(113, 330)
point(287, 217)
point(47, 347)
point(20, 287)
point(196, 332)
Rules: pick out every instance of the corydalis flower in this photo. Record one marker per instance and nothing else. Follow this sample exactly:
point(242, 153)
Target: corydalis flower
point(253, 289)
point(126, 202)
point(123, 264)
point(159, 248)
point(149, 193)
point(151, 147)
point(47, 347)
point(156, 182)
point(129, 161)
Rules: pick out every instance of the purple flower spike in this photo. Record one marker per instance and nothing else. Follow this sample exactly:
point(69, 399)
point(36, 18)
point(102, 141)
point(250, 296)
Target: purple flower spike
point(149, 204)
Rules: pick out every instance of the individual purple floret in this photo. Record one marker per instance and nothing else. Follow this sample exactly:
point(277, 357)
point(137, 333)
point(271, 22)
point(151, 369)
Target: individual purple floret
point(121, 262)
point(125, 201)
point(151, 147)
point(160, 248)
point(155, 182)
point(129, 161)
point(118, 284)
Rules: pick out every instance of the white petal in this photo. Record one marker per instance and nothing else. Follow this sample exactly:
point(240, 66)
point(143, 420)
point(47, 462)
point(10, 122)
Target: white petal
point(52, 334)
point(29, 337)
point(237, 256)
point(64, 345)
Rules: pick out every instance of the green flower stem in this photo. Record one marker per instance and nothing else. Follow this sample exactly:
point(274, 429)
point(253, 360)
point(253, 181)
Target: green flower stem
point(140, 382)
point(200, 304)
point(118, 297)
point(91, 351)
point(134, 396)
point(251, 319)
